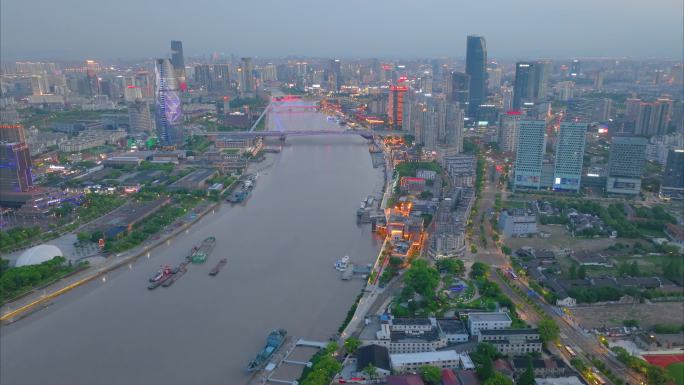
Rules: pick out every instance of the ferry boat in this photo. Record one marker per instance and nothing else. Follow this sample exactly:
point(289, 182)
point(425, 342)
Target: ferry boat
point(341, 264)
point(202, 253)
point(273, 342)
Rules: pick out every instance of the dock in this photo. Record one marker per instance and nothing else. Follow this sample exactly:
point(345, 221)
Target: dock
point(268, 375)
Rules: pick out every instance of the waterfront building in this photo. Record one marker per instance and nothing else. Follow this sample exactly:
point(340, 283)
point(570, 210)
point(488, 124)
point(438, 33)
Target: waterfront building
point(523, 88)
point(529, 154)
point(168, 112)
point(457, 89)
point(178, 63)
point(569, 156)
point(673, 175)
point(476, 69)
point(413, 335)
point(627, 158)
point(395, 106)
point(15, 167)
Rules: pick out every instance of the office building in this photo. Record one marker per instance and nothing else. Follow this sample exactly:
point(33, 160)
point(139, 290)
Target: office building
point(395, 106)
point(453, 130)
point(168, 112)
point(247, 86)
point(512, 341)
point(12, 133)
point(139, 117)
point(412, 362)
point(523, 88)
point(334, 75)
point(457, 89)
point(660, 117)
point(494, 76)
point(15, 167)
point(517, 222)
point(541, 72)
point(575, 68)
point(488, 321)
point(178, 63)
point(508, 131)
point(476, 68)
point(569, 155)
point(529, 154)
point(673, 175)
point(627, 157)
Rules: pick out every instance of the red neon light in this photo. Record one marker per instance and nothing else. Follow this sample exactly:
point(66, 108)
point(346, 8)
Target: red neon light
point(514, 112)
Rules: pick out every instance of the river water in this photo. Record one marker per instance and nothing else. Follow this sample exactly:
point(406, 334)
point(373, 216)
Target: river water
point(280, 245)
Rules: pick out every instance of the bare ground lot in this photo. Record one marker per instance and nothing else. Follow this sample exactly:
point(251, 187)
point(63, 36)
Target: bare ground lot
point(561, 239)
point(648, 314)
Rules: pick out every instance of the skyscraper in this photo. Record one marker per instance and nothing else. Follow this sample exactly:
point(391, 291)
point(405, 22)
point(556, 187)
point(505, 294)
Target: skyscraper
point(673, 175)
point(660, 117)
point(627, 157)
point(569, 155)
point(139, 117)
point(508, 131)
point(453, 130)
point(575, 68)
point(541, 71)
point(168, 113)
point(395, 106)
point(529, 154)
point(15, 160)
point(178, 63)
point(523, 90)
point(334, 75)
point(476, 68)
point(457, 89)
point(247, 87)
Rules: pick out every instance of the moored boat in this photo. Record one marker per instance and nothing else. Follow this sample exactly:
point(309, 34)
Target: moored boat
point(273, 342)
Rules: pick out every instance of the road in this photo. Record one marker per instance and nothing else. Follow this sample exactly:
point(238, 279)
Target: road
point(569, 334)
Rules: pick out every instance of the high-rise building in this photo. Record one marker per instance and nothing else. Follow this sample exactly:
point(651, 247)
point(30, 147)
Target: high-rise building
point(334, 74)
point(139, 117)
point(523, 89)
point(395, 106)
point(168, 112)
point(247, 86)
point(476, 68)
point(530, 148)
point(673, 175)
point(508, 131)
point(453, 130)
point(575, 68)
point(632, 109)
point(569, 155)
point(15, 160)
point(178, 62)
point(457, 89)
point(494, 76)
point(660, 117)
point(602, 109)
point(92, 80)
point(203, 76)
point(132, 93)
point(642, 125)
point(541, 71)
point(627, 157)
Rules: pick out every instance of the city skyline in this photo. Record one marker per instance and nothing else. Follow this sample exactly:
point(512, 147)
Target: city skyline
point(620, 30)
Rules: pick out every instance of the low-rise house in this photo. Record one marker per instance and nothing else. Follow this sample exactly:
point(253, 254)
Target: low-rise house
point(488, 321)
point(572, 380)
point(512, 341)
point(517, 222)
point(549, 367)
point(406, 379)
point(411, 362)
point(375, 355)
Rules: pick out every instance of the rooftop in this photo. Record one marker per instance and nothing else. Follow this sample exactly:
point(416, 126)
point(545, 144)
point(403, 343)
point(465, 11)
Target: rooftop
point(509, 332)
point(489, 317)
point(411, 358)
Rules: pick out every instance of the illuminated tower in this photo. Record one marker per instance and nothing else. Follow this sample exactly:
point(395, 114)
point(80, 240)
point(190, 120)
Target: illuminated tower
point(168, 113)
point(178, 63)
point(395, 106)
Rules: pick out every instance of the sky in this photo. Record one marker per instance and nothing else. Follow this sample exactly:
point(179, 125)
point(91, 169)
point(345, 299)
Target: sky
point(514, 29)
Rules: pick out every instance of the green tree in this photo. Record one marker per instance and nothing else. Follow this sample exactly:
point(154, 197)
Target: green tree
point(370, 371)
point(527, 378)
point(498, 379)
point(83, 237)
point(582, 272)
point(422, 278)
point(548, 330)
point(395, 262)
point(634, 269)
point(657, 376)
point(485, 368)
point(352, 344)
point(430, 374)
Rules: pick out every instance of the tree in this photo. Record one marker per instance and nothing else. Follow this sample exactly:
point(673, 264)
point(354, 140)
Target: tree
point(548, 330)
point(527, 378)
point(485, 369)
point(370, 371)
point(430, 374)
point(582, 272)
point(83, 237)
point(634, 269)
point(422, 278)
point(498, 379)
point(395, 262)
point(352, 344)
point(657, 375)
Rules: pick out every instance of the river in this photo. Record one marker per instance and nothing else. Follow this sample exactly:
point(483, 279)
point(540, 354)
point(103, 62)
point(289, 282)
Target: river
point(280, 245)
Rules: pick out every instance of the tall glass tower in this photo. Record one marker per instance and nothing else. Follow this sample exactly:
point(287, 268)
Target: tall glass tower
point(476, 68)
point(178, 63)
point(168, 114)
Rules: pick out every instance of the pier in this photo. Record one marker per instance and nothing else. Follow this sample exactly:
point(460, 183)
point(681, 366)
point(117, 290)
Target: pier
point(267, 375)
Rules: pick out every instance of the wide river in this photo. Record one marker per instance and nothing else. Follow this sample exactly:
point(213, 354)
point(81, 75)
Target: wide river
point(280, 245)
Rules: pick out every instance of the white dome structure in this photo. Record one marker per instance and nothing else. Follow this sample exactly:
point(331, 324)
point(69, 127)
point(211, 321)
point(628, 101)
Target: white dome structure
point(37, 255)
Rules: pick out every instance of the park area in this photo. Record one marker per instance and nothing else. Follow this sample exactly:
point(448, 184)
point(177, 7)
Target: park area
point(673, 363)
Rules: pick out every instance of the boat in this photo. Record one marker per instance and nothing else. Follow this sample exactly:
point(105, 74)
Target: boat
point(156, 284)
point(273, 342)
point(202, 252)
point(341, 264)
point(215, 270)
point(163, 271)
point(171, 280)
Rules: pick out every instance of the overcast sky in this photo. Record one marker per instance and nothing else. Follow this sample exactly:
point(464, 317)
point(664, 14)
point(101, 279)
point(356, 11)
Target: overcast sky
point(109, 29)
